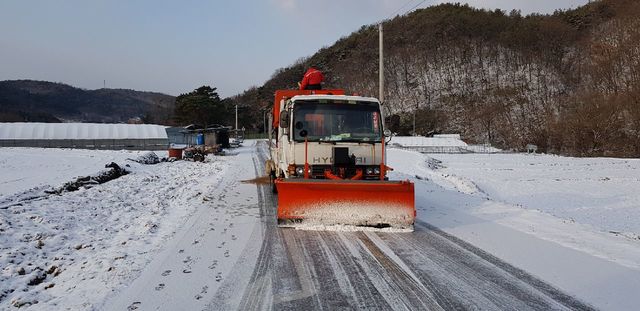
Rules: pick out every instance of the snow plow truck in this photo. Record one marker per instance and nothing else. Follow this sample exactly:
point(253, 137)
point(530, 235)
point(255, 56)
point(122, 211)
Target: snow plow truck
point(327, 163)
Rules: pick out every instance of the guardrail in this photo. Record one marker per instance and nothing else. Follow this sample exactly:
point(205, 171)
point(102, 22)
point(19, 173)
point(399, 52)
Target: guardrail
point(450, 149)
point(256, 136)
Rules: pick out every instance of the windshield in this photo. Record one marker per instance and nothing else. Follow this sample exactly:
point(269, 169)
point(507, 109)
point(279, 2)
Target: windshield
point(337, 121)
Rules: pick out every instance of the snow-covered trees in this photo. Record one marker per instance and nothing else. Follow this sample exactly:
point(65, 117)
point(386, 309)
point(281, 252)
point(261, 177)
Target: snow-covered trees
point(568, 82)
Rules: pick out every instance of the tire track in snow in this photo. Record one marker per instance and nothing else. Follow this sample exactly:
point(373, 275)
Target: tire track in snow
point(415, 294)
point(343, 261)
point(274, 280)
point(552, 293)
point(252, 298)
point(471, 278)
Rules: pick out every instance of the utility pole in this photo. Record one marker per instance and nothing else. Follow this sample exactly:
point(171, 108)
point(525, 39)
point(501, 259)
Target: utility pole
point(414, 119)
point(236, 118)
point(381, 66)
point(264, 120)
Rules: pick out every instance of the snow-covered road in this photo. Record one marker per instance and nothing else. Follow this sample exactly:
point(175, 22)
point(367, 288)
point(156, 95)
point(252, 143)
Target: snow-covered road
point(288, 269)
point(193, 236)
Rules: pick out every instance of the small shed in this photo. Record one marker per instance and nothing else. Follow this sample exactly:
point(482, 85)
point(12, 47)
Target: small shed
point(216, 135)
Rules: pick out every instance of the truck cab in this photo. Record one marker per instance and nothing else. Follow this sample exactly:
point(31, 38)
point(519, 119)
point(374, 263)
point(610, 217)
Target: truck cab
point(336, 136)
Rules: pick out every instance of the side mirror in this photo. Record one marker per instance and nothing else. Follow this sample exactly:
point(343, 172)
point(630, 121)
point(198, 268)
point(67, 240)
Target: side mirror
point(284, 118)
point(387, 133)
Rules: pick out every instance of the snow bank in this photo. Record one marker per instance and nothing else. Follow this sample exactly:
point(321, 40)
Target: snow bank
point(147, 158)
point(343, 216)
point(346, 228)
point(25, 130)
point(421, 167)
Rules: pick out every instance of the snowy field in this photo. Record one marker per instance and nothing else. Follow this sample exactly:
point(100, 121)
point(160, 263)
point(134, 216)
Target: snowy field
point(600, 192)
point(72, 250)
point(25, 168)
point(571, 222)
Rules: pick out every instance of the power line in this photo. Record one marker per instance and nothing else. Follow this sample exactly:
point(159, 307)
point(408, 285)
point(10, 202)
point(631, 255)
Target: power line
point(400, 8)
point(417, 5)
point(405, 5)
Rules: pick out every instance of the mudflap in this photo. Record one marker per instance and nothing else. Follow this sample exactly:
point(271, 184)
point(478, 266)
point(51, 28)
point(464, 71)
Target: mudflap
point(378, 204)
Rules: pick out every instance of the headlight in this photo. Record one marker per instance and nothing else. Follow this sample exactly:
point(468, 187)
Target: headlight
point(369, 171)
point(376, 170)
point(300, 170)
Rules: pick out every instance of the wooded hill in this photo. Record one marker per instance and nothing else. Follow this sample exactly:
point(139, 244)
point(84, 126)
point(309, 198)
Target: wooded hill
point(40, 101)
point(568, 82)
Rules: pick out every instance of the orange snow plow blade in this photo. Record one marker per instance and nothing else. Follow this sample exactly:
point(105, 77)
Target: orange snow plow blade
point(379, 204)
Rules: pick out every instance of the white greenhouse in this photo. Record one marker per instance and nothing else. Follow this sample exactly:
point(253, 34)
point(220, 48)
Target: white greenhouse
point(84, 135)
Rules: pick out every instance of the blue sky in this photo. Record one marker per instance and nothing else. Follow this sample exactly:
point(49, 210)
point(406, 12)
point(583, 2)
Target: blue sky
point(175, 46)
